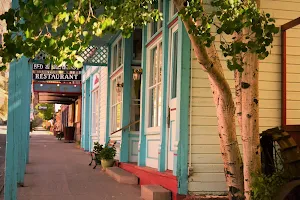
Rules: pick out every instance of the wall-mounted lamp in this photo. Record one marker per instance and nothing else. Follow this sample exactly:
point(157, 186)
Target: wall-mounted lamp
point(57, 85)
point(41, 85)
point(119, 87)
point(137, 74)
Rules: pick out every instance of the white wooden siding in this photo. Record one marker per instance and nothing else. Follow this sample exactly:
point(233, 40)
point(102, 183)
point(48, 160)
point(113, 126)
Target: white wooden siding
point(103, 103)
point(208, 176)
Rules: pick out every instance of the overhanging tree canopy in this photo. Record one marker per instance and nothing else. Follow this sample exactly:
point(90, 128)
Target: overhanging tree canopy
point(63, 29)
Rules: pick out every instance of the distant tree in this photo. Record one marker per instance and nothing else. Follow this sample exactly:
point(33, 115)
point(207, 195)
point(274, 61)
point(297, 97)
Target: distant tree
point(4, 107)
point(46, 114)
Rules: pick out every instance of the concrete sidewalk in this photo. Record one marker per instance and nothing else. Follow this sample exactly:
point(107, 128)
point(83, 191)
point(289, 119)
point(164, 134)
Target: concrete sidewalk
point(59, 171)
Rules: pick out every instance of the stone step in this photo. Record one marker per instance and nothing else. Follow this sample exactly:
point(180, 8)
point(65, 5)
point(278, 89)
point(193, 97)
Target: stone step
point(155, 192)
point(122, 176)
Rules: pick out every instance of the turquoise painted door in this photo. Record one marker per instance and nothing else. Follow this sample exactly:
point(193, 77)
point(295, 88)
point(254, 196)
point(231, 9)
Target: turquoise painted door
point(87, 116)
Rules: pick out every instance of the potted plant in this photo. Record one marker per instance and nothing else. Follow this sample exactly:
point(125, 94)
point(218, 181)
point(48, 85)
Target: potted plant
point(107, 155)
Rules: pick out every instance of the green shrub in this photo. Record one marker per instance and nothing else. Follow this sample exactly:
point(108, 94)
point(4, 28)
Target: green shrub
point(266, 187)
point(107, 153)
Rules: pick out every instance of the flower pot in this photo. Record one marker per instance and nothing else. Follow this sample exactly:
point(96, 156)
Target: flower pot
point(107, 163)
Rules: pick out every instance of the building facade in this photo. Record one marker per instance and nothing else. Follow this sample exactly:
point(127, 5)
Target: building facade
point(154, 99)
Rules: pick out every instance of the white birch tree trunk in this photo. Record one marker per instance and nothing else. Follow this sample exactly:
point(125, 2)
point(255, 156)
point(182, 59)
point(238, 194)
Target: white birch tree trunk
point(250, 121)
point(233, 165)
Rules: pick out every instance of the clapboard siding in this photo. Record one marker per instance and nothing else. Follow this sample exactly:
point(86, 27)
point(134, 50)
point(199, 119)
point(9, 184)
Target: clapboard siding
point(208, 173)
point(103, 103)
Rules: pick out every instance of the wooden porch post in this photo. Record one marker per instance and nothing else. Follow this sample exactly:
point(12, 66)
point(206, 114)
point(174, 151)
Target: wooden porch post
point(127, 74)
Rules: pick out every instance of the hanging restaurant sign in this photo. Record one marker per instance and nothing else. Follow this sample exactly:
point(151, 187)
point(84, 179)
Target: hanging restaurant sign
point(56, 77)
point(41, 66)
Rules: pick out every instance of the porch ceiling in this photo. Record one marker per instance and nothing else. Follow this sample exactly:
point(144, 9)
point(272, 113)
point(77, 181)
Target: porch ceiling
point(57, 98)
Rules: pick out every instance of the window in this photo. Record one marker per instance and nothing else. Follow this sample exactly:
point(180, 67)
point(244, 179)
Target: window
point(173, 9)
point(116, 104)
point(156, 25)
point(173, 61)
point(154, 85)
point(95, 112)
point(135, 104)
point(137, 45)
point(77, 112)
point(117, 54)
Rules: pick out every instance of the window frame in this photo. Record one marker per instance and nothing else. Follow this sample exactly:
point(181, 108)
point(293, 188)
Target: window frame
point(115, 58)
point(157, 44)
point(95, 111)
point(159, 23)
point(172, 9)
point(114, 104)
point(173, 29)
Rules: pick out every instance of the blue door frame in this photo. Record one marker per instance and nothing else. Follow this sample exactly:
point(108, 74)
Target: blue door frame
point(87, 110)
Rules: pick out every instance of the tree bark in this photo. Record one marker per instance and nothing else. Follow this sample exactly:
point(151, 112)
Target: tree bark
point(209, 60)
point(250, 117)
point(250, 121)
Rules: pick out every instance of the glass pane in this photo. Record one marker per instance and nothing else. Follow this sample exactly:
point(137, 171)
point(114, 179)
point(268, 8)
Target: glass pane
point(153, 67)
point(154, 24)
point(174, 65)
point(137, 44)
point(114, 58)
point(135, 104)
point(113, 92)
point(159, 105)
point(161, 9)
point(160, 63)
point(152, 108)
point(120, 53)
point(118, 117)
point(174, 9)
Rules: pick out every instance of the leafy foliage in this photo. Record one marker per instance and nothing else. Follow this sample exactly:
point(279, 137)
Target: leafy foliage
point(4, 107)
point(250, 30)
point(107, 153)
point(46, 114)
point(266, 187)
point(97, 147)
point(64, 28)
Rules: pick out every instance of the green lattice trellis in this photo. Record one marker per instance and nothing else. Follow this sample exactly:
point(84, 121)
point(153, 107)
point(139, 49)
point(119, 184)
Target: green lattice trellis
point(93, 55)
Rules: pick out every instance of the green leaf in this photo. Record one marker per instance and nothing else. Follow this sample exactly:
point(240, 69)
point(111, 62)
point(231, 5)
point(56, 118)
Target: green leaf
point(78, 64)
point(36, 2)
point(52, 42)
point(27, 33)
point(81, 19)
point(48, 18)
point(79, 58)
point(85, 33)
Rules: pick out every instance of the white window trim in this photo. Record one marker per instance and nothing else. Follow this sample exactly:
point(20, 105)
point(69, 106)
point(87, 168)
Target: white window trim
point(149, 27)
point(115, 59)
point(112, 122)
point(149, 48)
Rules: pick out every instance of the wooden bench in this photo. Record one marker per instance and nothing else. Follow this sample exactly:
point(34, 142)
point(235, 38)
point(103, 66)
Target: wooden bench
point(111, 143)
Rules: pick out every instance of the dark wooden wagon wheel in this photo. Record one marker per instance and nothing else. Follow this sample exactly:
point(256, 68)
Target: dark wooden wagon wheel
point(290, 191)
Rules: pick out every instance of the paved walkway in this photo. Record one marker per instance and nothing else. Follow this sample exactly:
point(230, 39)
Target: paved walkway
point(59, 171)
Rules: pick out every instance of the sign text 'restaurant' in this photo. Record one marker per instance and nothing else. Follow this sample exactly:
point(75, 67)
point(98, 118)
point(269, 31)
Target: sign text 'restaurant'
point(57, 77)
